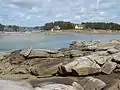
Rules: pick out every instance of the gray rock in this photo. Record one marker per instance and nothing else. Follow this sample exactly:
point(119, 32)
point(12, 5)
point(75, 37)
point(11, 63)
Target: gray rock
point(51, 52)
point(3, 55)
point(55, 87)
point(57, 55)
point(108, 67)
point(118, 66)
point(99, 59)
point(115, 85)
point(76, 53)
point(85, 66)
point(97, 48)
point(113, 51)
point(114, 41)
point(38, 54)
point(33, 71)
point(26, 52)
point(77, 86)
point(85, 43)
point(10, 85)
point(117, 70)
point(20, 70)
point(80, 66)
point(101, 53)
point(90, 83)
point(116, 57)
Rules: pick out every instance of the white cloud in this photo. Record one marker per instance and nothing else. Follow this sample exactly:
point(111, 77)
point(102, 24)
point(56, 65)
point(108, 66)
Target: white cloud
point(107, 4)
point(35, 9)
point(28, 17)
point(102, 13)
point(12, 6)
point(39, 16)
point(22, 15)
point(77, 17)
point(83, 10)
point(59, 15)
point(49, 0)
point(42, 11)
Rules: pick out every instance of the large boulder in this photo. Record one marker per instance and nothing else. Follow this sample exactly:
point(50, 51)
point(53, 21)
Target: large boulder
point(85, 67)
point(99, 59)
point(26, 52)
point(80, 66)
point(116, 57)
point(90, 83)
point(108, 67)
point(38, 54)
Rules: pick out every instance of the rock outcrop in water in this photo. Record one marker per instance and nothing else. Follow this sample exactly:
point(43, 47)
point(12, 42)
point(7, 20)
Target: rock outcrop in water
point(90, 65)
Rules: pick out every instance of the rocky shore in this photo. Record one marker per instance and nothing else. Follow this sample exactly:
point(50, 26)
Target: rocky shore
point(85, 65)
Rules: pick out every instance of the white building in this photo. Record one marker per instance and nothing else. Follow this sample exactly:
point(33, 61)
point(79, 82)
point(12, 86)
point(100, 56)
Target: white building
point(55, 28)
point(77, 27)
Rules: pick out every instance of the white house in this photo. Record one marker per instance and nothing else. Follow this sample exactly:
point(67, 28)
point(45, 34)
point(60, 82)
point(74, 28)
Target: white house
point(55, 28)
point(79, 27)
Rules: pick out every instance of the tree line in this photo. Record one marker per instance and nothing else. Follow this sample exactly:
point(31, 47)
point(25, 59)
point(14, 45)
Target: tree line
point(101, 25)
point(14, 27)
point(63, 25)
point(67, 25)
point(87, 25)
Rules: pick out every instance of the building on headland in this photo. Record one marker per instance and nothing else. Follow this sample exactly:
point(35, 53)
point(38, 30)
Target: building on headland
point(55, 28)
point(79, 27)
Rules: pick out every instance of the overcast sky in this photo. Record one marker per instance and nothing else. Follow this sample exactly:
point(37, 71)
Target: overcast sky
point(38, 12)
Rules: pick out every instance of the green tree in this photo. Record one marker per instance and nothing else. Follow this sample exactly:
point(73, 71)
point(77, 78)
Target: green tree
point(102, 25)
point(63, 25)
point(15, 27)
point(2, 27)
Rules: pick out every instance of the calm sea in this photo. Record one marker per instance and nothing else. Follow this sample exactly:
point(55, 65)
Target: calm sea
point(52, 42)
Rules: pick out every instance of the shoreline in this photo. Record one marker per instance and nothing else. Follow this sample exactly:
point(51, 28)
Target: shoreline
point(59, 32)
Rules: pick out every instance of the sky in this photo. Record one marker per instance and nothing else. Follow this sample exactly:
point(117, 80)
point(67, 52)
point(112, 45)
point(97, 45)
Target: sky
point(39, 12)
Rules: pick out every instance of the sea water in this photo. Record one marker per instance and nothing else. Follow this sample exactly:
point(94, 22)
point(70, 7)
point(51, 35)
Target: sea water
point(51, 42)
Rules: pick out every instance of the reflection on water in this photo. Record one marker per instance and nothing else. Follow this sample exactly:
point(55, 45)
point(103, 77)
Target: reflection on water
point(9, 42)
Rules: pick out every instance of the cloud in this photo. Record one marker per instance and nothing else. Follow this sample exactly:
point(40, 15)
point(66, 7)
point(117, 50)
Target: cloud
point(35, 9)
point(38, 12)
point(59, 15)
